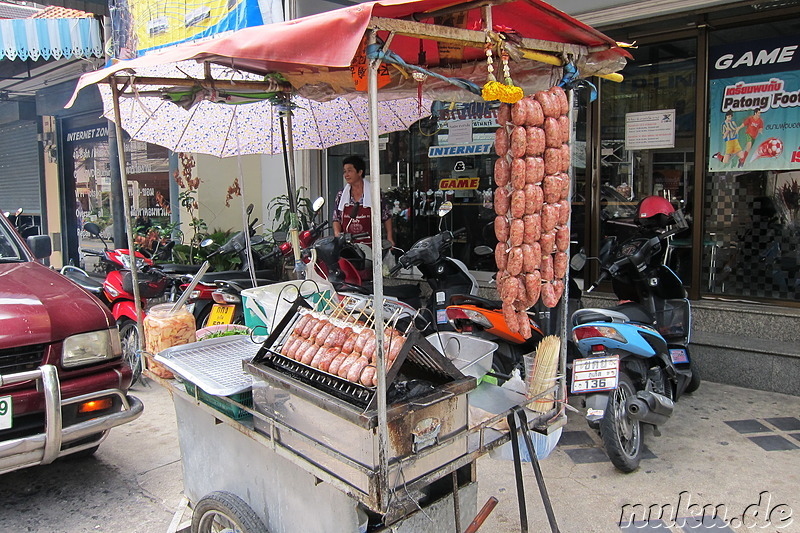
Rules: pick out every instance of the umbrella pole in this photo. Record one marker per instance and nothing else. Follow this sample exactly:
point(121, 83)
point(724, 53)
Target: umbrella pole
point(377, 272)
point(248, 245)
point(126, 205)
point(288, 161)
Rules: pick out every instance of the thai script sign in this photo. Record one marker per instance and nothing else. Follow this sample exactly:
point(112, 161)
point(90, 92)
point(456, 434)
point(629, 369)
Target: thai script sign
point(754, 106)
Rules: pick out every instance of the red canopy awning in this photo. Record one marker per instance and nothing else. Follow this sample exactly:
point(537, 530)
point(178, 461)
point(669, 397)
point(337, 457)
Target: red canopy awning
point(330, 40)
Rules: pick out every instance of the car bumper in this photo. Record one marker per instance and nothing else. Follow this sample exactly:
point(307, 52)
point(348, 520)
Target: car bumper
point(57, 440)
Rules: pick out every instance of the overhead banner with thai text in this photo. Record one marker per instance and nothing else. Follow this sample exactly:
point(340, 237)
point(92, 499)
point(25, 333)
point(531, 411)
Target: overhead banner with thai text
point(754, 92)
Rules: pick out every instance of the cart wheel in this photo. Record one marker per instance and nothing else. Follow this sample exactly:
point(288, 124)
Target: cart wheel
point(220, 512)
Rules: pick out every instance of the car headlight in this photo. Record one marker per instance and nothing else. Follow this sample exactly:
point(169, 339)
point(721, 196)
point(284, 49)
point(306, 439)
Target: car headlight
point(92, 347)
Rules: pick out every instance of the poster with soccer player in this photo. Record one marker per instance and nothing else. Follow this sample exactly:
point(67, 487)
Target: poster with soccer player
point(754, 100)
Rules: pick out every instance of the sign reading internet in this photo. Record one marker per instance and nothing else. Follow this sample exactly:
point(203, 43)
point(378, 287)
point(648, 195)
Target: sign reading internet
point(460, 149)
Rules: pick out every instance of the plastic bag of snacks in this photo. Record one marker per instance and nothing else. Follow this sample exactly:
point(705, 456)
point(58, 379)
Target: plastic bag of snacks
point(164, 329)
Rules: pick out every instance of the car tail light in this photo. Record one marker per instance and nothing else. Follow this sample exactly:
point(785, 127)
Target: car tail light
point(459, 313)
point(588, 332)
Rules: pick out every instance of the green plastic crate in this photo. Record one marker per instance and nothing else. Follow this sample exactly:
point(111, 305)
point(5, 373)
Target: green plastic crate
point(237, 413)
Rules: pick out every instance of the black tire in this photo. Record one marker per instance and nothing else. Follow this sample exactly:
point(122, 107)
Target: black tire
point(220, 510)
point(694, 382)
point(129, 337)
point(622, 435)
point(83, 454)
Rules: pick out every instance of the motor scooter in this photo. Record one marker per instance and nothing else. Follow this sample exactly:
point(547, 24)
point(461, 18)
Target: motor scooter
point(634, 360)
point(226, 288)
point(115, 290)
point(201, 301)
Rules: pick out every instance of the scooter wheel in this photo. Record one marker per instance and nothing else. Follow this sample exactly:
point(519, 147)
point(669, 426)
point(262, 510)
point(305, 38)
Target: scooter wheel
point(694, 382)
point(622, 435)
point(129, 338)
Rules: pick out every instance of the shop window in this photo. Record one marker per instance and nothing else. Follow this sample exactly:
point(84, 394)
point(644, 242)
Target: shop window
point(647, 142)
point(752, 192)
point(427, 165)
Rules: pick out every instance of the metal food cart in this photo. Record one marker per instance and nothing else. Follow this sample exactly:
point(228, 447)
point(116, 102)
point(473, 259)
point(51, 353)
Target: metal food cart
point(314, 457)
point(311, 436)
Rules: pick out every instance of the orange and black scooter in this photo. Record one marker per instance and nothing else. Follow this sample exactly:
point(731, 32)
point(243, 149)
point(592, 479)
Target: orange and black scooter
point(483, 318)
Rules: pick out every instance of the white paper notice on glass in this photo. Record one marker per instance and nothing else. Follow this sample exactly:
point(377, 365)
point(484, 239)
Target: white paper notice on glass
point(650, 129)
point(459, 131)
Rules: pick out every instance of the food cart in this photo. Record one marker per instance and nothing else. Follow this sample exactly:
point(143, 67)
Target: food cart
point(317, 452)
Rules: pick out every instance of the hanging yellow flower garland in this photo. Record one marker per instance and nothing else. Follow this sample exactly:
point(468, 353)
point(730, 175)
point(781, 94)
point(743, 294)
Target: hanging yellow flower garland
point(493, 89)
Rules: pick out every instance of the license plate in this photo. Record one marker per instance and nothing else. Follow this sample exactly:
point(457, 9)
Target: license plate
point(6, 412)
point(678, 355)
point(220, 314)
point(595, 374)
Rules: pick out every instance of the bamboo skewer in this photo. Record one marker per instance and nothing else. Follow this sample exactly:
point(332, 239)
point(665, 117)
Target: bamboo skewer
point(543, 374)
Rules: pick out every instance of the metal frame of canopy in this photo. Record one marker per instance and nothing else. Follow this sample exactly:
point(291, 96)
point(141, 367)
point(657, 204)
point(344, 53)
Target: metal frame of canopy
point(542, 51)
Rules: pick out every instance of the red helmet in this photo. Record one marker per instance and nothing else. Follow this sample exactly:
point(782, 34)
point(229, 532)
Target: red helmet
point(654, 211)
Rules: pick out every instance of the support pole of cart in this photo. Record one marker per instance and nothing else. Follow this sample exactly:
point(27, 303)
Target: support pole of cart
point(377, 270)
point(563, 324)
point(126, 219)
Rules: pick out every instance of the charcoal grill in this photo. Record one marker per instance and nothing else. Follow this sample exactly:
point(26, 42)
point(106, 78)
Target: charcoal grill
point(327, 413)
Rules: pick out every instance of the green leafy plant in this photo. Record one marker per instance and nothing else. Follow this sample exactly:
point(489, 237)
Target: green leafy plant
point(282, 219)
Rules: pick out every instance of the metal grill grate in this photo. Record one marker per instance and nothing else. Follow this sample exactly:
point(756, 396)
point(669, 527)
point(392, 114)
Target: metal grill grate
point(214, 365)
point(339, 387)
point(21, 359)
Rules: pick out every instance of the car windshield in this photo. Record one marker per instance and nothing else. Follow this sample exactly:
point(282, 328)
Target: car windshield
point(9, 248)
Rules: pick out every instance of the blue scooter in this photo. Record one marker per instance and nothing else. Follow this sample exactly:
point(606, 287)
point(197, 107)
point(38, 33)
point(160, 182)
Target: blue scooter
point(634, 358)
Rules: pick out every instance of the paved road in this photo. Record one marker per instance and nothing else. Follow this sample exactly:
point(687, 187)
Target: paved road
point(725, 447)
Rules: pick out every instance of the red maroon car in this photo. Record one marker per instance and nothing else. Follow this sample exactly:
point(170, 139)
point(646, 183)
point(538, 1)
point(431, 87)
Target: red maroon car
point(63, 384)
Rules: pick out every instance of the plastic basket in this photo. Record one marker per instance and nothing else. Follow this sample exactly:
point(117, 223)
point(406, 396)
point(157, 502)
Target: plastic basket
point(237, 413)
point(673, 321)
point(267, 305)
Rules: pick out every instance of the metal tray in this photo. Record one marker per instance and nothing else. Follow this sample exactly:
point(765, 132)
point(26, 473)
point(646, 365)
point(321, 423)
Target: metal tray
point(214, 365)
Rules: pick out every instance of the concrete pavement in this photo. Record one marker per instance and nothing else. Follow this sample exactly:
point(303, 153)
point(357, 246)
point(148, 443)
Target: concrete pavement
point(727, 449)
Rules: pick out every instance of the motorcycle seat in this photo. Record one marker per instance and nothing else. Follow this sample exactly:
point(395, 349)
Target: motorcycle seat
point(243, 283)
point(584, 316)
point(172, 268)
point(90, 284)
point(635, 313)
point(467, 299)
point(210, 277)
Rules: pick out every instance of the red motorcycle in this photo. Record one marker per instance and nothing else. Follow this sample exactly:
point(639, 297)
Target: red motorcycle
point(115, 290)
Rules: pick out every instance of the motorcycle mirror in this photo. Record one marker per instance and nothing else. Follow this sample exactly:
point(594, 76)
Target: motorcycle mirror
point(318, 203)
point(279, 236)
point(445, 208)
point(19, 211)
point(205, 243)
point(92, 228)
point(578, 261)
point(483, 250)
point(257, 239)
point(249, 209)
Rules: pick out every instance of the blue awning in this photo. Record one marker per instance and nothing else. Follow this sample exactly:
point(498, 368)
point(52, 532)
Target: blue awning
point(36, 38)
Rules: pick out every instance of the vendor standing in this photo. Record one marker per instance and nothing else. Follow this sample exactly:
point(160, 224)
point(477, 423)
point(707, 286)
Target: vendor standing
point(352, 212)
